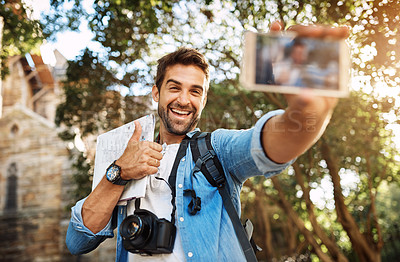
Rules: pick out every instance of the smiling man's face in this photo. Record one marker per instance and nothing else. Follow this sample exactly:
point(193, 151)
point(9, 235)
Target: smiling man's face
point(181, 99)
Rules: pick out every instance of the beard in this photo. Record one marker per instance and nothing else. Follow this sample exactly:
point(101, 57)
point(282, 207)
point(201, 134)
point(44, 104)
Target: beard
point(178, 127)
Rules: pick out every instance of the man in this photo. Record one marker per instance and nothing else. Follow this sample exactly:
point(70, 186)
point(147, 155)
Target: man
point(181, 92)
point(291, 70)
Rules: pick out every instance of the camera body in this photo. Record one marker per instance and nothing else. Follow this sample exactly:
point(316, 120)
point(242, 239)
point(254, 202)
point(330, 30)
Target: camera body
point(144, 233)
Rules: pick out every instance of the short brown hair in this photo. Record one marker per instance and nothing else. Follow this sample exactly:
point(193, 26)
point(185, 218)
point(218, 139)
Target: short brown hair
point(183, 56)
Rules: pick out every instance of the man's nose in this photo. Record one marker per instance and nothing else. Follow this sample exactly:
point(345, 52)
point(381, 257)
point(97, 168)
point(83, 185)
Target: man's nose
point(184, 98)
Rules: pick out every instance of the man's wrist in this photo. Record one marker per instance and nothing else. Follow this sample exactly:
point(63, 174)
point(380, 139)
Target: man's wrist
point(113, 174)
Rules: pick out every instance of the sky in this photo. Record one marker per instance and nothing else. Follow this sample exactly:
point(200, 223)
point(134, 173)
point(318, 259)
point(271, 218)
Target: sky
point(69, 44)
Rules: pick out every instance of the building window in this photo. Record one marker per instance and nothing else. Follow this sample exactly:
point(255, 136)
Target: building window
point(14, 130)
point(11, 188)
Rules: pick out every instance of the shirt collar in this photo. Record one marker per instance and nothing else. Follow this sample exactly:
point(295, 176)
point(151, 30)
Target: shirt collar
point(191, 133)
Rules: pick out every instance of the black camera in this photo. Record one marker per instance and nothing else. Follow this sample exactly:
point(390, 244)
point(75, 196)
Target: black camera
point(144, 233)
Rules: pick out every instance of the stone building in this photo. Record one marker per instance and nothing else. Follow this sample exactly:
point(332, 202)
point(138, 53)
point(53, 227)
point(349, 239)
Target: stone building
point(35, 174)
point(33, 164)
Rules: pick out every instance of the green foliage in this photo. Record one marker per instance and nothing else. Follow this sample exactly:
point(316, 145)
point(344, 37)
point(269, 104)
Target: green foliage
point(240, 111)
point(388, 205)
point(358, 137)
point(124, 29)
point(86, 101)
point(376, 27)
point(21, 33)
point(56, 20)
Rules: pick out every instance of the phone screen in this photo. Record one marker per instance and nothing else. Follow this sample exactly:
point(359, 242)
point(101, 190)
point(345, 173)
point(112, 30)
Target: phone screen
point(288, 63)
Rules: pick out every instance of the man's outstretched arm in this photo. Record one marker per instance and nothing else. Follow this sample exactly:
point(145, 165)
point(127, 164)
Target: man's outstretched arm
point(287, 136)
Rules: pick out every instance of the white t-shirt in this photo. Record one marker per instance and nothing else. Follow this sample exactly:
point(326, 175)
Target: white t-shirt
point(158, 201)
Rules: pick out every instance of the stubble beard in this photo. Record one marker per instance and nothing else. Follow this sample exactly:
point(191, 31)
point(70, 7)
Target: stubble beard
point(174, 127)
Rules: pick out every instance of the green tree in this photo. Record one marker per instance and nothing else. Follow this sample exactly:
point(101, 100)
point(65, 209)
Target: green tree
point(21, 33)
point(356, 143)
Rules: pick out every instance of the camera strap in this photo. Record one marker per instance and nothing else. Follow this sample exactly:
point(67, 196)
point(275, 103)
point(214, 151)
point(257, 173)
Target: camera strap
point(207, 162)
point(172, 177)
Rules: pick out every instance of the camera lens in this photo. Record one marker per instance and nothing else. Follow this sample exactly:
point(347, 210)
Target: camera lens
point(136, 229)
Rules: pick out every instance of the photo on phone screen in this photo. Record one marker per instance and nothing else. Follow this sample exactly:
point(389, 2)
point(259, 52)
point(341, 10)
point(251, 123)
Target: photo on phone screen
point(287, 63)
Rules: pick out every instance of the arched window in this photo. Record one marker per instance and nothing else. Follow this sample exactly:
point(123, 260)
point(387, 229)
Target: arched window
point(14, 130)
point(11, 190)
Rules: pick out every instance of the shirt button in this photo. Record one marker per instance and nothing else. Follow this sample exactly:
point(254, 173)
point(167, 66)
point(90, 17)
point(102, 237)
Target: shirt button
point(190, 254)
point(183, 159)
point(180, 185)
point(181, 219)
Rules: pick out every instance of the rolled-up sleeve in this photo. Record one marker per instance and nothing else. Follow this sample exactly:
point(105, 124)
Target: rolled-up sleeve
point(80, 239)
point(263, 162)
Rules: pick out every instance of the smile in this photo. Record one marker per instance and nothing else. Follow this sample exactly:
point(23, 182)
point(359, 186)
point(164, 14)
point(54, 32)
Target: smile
point(180, 112)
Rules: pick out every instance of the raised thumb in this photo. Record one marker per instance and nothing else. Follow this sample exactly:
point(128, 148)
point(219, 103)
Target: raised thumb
point(137, 132)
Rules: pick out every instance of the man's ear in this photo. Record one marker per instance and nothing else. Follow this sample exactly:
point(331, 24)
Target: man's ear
point(205, 101)
point(155, 94)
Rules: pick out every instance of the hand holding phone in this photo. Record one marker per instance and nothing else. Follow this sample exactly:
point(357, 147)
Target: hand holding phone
point(315, 58)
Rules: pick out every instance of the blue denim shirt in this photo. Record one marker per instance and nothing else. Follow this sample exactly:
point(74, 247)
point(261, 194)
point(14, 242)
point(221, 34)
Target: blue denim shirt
point(208, 235)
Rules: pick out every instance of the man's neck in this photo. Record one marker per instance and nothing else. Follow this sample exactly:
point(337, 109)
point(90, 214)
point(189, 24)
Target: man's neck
point(169, 138)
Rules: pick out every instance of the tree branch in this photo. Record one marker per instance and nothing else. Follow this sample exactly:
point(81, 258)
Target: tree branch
point(334, 250)
point(308, 235)
point(363, 248)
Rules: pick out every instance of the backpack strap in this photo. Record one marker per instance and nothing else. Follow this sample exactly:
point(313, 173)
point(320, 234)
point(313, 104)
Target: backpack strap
point(207, 162)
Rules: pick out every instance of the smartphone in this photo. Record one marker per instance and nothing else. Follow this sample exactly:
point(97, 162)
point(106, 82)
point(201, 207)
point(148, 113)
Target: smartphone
point(287, 63)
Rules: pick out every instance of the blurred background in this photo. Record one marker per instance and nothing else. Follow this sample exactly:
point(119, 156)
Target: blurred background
point(71, 70)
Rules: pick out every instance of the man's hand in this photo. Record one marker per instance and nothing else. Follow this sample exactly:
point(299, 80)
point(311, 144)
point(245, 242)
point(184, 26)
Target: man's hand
point(140, 158)
point(289, 135)
point(316, 31)
point(307, 99)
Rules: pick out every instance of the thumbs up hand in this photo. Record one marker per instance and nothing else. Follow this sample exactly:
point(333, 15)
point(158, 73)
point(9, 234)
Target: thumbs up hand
point(140, 158)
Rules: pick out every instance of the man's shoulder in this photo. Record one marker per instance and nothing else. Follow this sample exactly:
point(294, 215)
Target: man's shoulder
point(223, 133)
point(225, 140)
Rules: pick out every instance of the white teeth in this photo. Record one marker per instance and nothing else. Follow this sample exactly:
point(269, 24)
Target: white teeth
point(180, 112)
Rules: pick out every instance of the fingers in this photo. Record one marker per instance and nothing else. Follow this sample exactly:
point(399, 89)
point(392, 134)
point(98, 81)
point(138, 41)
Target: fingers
point(156, 155)
point(137, 132)
point(316, 31)
point(276, 26)
point(150, 167)
point(307, 100)
point(140, 158)
point(154, 158)
point(320, 31)
point(153, 162)
point(155, 146)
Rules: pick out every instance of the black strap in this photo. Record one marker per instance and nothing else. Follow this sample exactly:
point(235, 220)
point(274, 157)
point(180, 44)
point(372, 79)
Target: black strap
point(172, 177)
point(207, 162)
point(206, 159)
point(237, 225)
point(137, 203)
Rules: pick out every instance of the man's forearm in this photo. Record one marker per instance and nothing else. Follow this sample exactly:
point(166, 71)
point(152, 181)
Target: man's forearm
point(98, 207)
point(289, 135)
